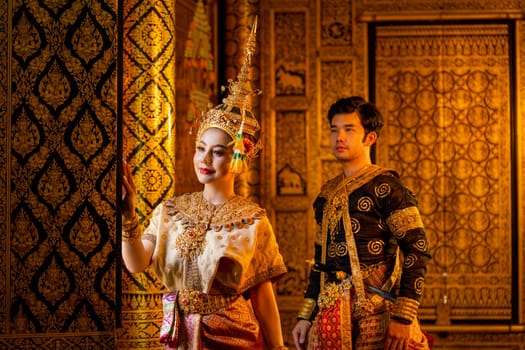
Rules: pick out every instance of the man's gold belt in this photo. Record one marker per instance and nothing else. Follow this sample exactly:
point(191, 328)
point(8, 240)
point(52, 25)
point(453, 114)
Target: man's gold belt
point(332, 292)
point(191, 301)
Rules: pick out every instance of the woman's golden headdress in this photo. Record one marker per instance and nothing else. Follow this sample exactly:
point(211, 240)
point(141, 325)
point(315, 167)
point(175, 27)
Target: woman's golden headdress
point(234, 115)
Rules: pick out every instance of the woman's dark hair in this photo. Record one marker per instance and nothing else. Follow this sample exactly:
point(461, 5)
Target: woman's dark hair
point(370, 117)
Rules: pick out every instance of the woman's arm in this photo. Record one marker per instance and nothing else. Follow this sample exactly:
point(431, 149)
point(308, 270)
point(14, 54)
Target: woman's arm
point(267, 313)
point(136, 254)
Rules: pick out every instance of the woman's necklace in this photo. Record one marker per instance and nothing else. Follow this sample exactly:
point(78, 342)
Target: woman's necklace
point(192, 241)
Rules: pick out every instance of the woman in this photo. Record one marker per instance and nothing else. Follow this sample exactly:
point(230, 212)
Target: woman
point(213, 250)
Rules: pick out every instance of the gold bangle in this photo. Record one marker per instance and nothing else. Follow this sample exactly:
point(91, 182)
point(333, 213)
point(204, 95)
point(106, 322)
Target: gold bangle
point(405, 308)
point(307, 309)
point(131, 238)
point(129, 225)
point(131, 233)
point(131, 228)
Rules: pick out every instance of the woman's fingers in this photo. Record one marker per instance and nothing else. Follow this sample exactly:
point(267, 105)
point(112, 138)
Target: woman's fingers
point(128, 177)
point(129, 194)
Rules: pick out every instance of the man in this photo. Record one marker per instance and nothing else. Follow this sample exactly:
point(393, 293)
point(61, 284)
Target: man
point(371, 250)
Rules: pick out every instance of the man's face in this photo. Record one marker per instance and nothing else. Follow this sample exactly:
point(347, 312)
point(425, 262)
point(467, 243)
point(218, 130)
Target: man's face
point(347, 137)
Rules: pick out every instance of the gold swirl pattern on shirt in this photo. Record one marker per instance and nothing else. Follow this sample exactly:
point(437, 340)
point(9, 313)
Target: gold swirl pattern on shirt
point(401, 221)
point(410, 260)
point(337, 249)
point(382, 190)
point(376, 247)
point(365, 204)
point(421, 245)
point(356, 225)
point(419, 284)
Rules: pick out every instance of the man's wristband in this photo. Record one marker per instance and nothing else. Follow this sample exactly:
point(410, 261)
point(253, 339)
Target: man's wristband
point(308, 308)
point(405, 310)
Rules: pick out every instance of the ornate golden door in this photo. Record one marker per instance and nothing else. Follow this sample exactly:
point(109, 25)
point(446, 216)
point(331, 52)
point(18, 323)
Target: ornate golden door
point(445, 92)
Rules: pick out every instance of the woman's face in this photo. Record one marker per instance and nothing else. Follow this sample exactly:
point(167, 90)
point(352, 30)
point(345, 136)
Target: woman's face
point(213, 156)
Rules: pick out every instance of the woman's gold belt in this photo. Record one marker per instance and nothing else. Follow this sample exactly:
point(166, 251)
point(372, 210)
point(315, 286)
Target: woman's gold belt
point(191, 301)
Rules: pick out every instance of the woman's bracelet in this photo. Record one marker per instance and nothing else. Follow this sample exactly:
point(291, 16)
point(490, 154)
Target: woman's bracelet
point(130, 225)
point(131, 240)
point(131, 236)
point(130, 229)
point(280, 347)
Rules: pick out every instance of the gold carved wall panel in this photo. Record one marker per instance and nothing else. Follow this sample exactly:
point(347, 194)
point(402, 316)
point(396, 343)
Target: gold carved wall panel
point(292, 237)
point(59, 146)
point(291, 163)
point(337, 23)
point(286, 44)
point(290, 60)
point(337, 80)
point(520, 171)
point(445, 93)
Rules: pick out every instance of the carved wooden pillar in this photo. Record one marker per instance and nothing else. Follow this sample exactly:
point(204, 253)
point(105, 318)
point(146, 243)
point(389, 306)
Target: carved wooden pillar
point(149, 145)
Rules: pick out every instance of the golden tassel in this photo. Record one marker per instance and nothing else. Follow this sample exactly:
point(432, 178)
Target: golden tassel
point(239, 163)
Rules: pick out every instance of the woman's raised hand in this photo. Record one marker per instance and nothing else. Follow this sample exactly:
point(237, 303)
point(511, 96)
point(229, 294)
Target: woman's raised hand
point(129, 192)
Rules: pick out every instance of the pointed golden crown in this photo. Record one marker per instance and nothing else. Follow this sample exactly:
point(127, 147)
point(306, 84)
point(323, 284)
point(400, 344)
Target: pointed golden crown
point(234, 114)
